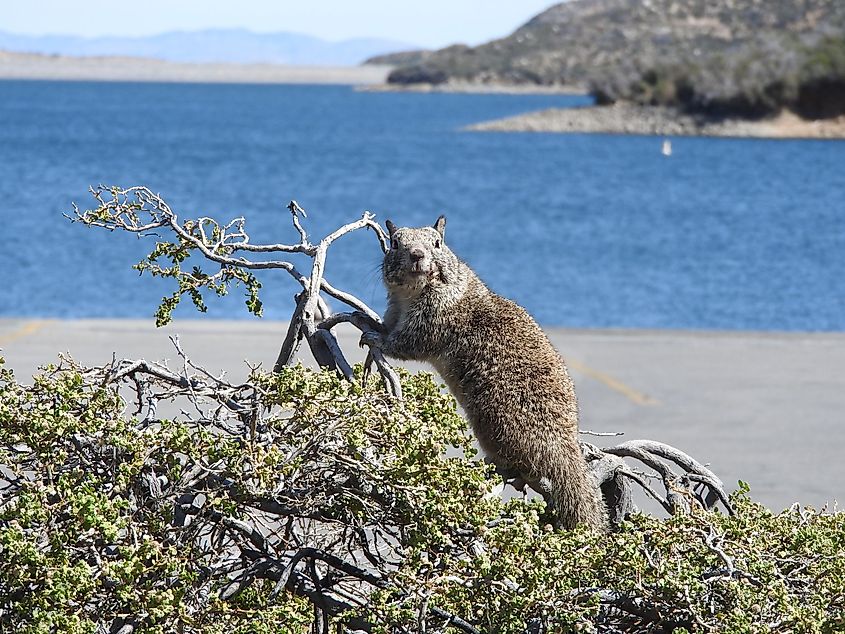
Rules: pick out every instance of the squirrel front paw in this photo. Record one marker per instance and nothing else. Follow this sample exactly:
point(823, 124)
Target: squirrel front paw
point(370, 338)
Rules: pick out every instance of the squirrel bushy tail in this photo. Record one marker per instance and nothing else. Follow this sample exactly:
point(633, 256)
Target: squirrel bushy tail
point(572, 493)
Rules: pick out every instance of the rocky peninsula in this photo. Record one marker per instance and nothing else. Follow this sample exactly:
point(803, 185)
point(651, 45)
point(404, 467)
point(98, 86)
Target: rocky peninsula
point(626, 118)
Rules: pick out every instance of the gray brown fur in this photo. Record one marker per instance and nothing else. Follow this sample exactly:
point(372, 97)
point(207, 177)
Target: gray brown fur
point(501, 367)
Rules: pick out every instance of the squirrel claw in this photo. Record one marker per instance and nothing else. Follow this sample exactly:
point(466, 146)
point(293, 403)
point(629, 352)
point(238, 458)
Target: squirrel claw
point(370, 338)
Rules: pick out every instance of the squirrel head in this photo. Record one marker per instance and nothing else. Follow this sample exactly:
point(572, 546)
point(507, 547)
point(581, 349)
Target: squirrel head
point(418, 258)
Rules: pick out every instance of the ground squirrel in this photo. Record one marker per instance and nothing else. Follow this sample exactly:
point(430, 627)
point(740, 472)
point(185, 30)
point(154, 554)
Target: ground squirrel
point(497, 362)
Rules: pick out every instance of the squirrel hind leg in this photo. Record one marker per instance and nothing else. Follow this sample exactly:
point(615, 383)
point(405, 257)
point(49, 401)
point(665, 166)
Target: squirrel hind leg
point(511, 476)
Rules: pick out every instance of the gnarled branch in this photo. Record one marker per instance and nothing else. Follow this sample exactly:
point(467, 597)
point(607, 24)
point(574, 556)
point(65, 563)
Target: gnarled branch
point(140, 211)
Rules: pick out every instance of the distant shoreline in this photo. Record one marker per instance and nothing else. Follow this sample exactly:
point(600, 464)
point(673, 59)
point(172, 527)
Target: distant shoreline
point(661, 121)
point(623, 118)
point(477, 88)
point(34, 66)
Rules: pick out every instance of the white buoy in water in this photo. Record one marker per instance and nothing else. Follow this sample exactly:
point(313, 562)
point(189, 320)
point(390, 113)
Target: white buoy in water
point(667, 147)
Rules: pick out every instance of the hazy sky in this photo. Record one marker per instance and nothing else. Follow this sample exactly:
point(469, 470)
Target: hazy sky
point(430, 23)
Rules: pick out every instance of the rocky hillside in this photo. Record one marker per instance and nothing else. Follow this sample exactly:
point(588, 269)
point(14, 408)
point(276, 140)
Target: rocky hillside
point(402, 58)
point(749, 57)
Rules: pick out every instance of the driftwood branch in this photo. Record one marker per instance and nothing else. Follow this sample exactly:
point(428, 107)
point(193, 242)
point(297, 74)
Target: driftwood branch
point(140, 211)
point(694, 485)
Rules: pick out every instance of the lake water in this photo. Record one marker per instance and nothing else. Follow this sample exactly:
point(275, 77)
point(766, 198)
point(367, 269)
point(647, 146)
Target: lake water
point(583, 230)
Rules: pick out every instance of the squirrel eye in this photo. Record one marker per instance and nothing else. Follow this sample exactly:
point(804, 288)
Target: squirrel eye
point(437, 244)
point(394, 244)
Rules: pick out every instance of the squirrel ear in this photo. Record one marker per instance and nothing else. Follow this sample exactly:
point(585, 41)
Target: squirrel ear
point(391, 228)
point(440, 226)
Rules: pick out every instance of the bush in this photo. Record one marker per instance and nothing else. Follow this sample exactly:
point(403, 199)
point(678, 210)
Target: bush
point(758, 79)
point(821, 93)
point(299, 497)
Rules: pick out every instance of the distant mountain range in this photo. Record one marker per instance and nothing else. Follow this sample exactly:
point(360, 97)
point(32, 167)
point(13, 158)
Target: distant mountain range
point(214, 45)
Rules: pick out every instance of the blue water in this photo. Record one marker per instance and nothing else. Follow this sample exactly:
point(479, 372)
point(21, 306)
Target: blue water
point(584, 230)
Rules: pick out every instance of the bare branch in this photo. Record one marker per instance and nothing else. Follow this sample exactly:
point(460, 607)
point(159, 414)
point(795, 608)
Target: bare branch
point(653, 454)
point(140, 211)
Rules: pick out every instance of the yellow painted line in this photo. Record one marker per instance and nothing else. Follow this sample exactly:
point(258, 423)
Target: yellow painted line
point(614, 384)
point(27, 329)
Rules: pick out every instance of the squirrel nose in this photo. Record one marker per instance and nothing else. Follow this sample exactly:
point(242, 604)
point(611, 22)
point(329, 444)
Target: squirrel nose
point(417, 254)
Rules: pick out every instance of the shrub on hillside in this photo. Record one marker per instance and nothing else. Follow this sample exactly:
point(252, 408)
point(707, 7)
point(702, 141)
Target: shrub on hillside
point(759, 80)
